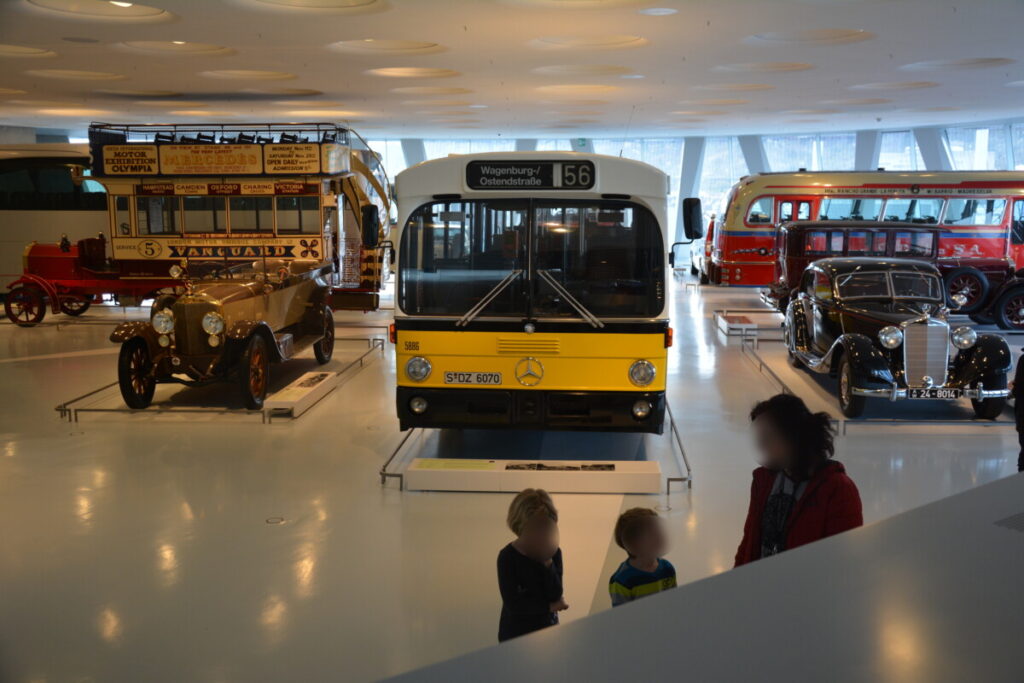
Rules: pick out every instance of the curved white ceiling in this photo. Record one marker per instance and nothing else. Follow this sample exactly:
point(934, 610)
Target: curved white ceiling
point(415, 67)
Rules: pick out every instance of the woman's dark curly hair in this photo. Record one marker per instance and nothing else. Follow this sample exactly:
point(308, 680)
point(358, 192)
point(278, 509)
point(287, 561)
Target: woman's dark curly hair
point(809, 434)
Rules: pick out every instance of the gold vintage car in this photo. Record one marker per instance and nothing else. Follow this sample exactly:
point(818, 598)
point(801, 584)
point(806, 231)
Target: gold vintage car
point(230, 324)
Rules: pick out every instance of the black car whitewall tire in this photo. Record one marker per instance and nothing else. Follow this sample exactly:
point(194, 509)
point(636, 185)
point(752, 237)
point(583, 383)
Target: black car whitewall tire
point(851, 404)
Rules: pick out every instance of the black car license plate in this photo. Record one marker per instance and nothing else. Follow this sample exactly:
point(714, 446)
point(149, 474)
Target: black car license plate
point(935, 393)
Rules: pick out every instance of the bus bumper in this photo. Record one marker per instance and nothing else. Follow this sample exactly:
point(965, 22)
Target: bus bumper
point(610, 411)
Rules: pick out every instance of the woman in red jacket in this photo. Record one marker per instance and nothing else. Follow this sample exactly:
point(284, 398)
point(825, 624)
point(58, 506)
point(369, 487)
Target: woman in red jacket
point(799, 495)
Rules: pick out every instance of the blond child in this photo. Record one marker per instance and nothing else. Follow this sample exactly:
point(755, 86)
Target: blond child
point(530, 567)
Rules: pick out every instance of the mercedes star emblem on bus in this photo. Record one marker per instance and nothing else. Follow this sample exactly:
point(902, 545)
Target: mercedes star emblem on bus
point(529, 372)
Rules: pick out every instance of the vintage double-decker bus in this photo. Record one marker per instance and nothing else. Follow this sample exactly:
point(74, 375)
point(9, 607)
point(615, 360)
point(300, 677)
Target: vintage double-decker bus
point(980, 214)
point(218, 194)
point(532, 293)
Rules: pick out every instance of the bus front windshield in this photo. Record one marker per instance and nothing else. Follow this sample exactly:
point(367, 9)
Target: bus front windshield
point(545, 259)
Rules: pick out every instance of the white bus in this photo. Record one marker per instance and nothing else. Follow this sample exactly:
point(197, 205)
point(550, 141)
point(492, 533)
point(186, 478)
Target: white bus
point(40, 200)
point(532, 293)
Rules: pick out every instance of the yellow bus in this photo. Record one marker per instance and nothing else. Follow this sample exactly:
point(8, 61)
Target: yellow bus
point(531, 292)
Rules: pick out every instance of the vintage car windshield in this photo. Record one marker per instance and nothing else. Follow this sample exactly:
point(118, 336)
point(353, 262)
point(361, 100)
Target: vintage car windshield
point(889, 285)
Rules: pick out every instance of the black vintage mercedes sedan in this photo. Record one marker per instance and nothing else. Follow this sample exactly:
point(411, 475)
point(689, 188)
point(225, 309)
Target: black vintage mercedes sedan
point(881, 327)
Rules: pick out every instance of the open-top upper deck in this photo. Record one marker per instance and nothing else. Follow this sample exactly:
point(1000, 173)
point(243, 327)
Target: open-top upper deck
point(218, 150)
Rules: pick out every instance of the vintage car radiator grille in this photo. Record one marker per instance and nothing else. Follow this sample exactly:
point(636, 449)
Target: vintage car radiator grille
point(189, 338)
point(926, 353)
point(527, 346)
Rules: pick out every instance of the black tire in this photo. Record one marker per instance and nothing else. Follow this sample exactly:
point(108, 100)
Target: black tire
point(990, 408)
point(790, 345)
point(694, 270)
point(850, 405)
point(970, 282)
point(25, 306)
point(254, 372)
point(76, 307)
point(160, 303)
point(1009, 310)
point(982, 318)
point(324, 349)
point(704, 279)
point(135, 374)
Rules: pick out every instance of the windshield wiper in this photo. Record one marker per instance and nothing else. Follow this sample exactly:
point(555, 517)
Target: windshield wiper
point(488, 298)
point(580, 308)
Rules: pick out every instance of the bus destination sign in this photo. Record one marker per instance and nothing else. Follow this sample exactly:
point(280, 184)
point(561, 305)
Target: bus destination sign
point(530, 175)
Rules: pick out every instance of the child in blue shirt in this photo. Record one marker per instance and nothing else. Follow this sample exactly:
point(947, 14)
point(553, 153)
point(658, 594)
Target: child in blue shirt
point(640, 533)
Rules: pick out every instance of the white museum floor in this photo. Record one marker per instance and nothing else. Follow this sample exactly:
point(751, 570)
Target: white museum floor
point(138, 547)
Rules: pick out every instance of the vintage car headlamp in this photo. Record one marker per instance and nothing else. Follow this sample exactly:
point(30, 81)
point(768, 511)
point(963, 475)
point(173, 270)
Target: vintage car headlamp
point(417, 368)
point(163, 322)
point(163, 340)
point(213, 340)
point(890, 337)
point(641, 373)
point(964, 337)
point(213, 323)
point(176, 271)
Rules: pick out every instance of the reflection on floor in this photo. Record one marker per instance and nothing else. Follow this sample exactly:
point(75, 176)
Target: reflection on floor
point(139, 550)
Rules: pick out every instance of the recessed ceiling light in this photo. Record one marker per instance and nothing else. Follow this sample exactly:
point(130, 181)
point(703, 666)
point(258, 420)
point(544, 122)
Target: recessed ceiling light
point(657, 11)
point(814, 36)
point(735, 87)
point(177, 47)
point(632, 76)
point(857, 101)
point(74, 112)
point(898, 85)
point(577, 89)
point(412, 72)
point(582, 70)
point(25, 51)
point(716, 102)
point(377, 46)
point(325, 113)
point(763, 67)
point(103, 9)
point(944, 64)
point(430, 90)
point(75, 75)
point(321, 4)
point(248, 75)
point(478, 106)
point(592, 42)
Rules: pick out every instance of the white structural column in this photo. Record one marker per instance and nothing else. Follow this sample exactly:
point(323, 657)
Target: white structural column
point(526, 145)
point(933, 151)
point(753, 153)
point(689, 177)
point(414, 150)
point(868, 148)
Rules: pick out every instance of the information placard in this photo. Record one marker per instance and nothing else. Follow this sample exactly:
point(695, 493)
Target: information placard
point(291, 159)
point(130, 160)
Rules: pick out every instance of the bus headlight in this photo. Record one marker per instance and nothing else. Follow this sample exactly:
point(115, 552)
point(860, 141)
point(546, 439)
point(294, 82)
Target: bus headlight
point(417, 368)
point(890, 337)
point(641, 409)
point(418, 405)
point(163, 322)
point(213, 323)
point(964, 337)
point(641, 373)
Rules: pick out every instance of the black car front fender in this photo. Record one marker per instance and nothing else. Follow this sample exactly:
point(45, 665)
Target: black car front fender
point(869, 364)
point(133, 329)
point(989, 356)
point(239, 334)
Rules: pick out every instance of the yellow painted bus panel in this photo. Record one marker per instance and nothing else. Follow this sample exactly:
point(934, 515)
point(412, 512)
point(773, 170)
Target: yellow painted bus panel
point(571, 361)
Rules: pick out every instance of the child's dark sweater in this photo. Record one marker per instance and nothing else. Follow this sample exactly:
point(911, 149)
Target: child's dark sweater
point(527, 590)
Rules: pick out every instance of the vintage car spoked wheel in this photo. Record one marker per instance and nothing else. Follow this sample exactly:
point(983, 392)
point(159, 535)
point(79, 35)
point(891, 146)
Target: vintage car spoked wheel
point(850, 404)
point(254, 373)
point(990, 408)
point(25, 306)
point(134, 374)
point(1010, 310)
point(75, 305)
point(969, 283)
point(324, 349)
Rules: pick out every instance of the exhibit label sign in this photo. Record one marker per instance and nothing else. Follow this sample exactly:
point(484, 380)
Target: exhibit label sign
point(130, 160)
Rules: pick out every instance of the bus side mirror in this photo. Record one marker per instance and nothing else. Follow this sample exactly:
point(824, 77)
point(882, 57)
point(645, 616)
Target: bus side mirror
point(672, 253)
point(371, 226)
point(693, 218)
